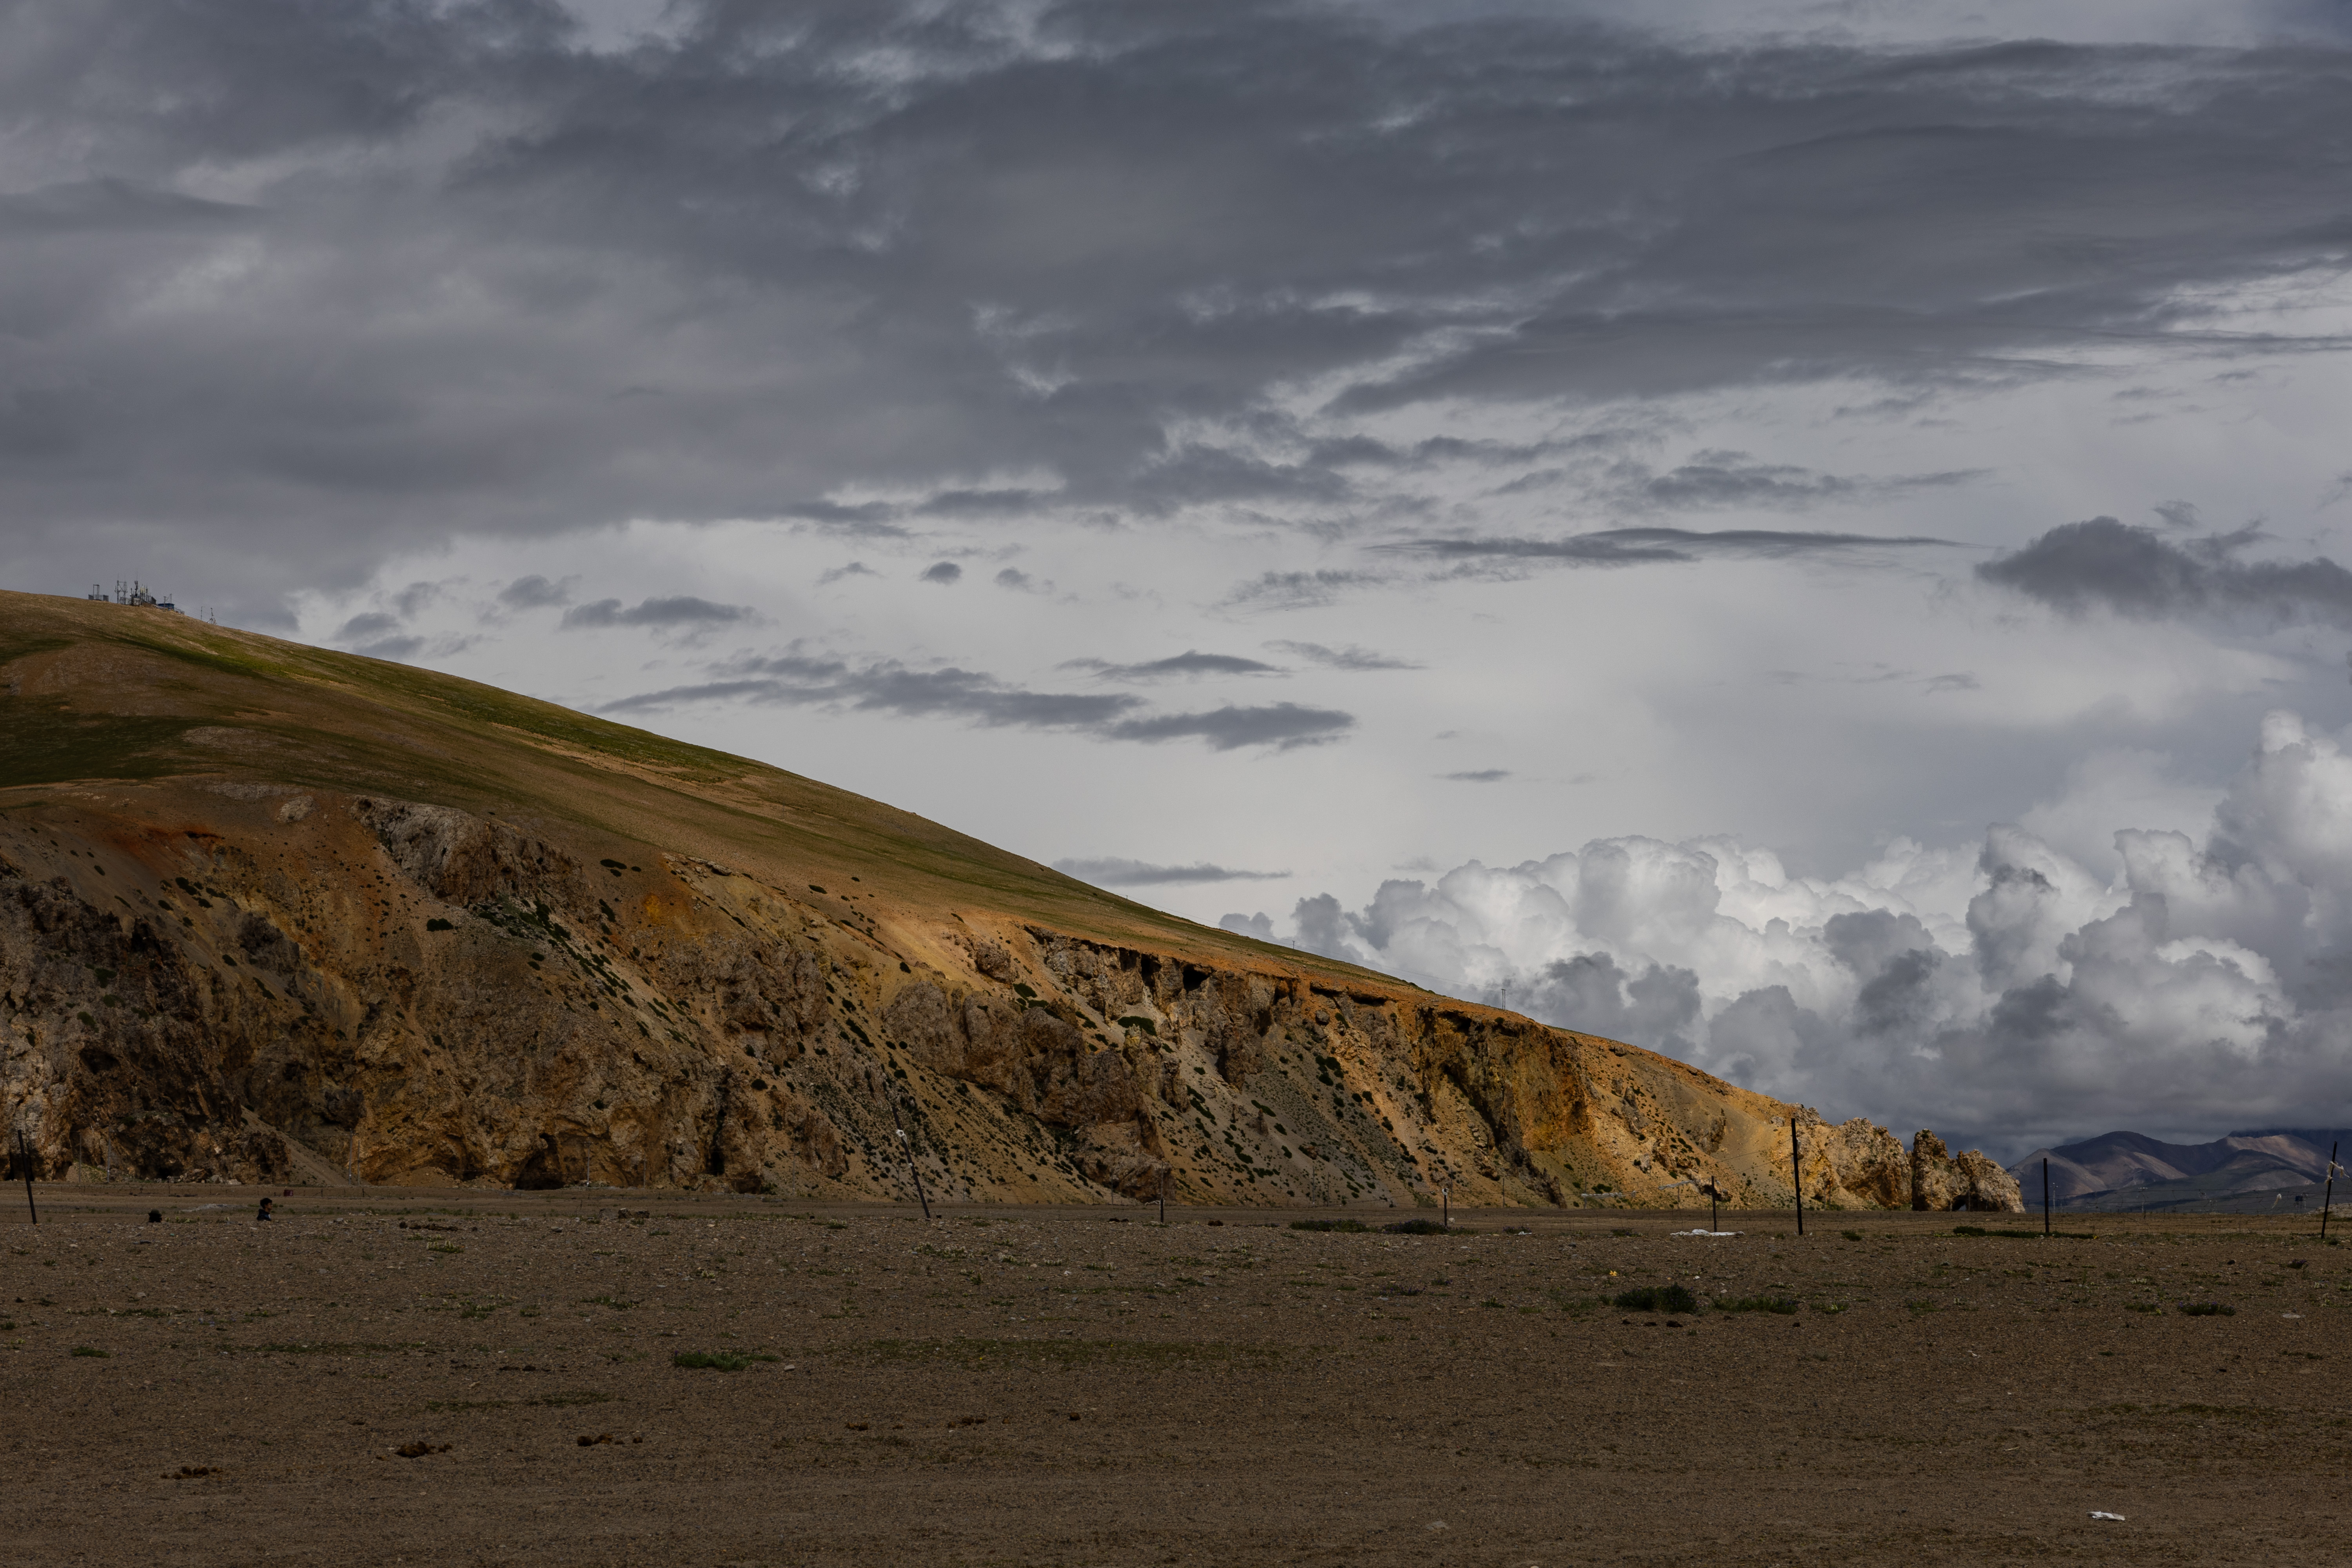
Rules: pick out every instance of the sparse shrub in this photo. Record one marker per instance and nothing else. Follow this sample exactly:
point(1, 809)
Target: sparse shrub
point(1659, 1299)
point(1851, 1235)
point(437, 923)
point(1621, 1231)
point(1783, 1305)
point(2143, 1307)
point(718, 1360)
point(1415, 1228)
point(2187, 1309)
point(1346, 1225)
point(89, 1349)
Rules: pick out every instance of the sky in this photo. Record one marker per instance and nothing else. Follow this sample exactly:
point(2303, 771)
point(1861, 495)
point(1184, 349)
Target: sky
point(1804, 536)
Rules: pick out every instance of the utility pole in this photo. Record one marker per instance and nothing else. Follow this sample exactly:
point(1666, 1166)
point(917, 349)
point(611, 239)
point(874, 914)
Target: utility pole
point(2045, 1196)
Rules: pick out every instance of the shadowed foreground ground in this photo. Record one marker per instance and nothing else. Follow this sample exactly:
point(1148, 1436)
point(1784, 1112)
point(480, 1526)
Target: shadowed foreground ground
point(1069, 1386)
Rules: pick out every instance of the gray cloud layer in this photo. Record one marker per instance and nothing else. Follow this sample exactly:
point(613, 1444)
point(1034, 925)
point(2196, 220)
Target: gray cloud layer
point(2138, 572)
point(346, 274)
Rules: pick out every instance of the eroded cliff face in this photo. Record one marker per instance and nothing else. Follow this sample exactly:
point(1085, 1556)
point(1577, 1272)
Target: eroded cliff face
point(236, 980)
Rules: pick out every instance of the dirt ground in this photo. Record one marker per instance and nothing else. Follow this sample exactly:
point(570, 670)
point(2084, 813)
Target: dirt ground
point(1086, 1386)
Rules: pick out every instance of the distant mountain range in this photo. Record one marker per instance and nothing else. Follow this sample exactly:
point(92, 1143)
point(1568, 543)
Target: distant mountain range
point(2252, 1172)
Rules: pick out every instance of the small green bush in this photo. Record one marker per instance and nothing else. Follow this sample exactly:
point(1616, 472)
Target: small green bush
point(1346, 1225)
point(1783, 1305)
point(1659, 1299)
point(1851, 1235)
point(2023, 1234)
point(1415, 1228)
point(437, 923)
point(2187, 1309)
point(718, 1360)
point(89, 1349)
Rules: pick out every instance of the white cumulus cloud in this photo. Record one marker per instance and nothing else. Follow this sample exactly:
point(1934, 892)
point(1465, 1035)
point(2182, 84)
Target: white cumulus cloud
point(2002, 991)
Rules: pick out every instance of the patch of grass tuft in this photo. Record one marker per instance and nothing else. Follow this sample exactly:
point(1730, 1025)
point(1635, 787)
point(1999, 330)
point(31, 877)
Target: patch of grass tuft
point(1346, 1225)
point(1658, 1298)
point(2187, 1309)
point(718, 1360)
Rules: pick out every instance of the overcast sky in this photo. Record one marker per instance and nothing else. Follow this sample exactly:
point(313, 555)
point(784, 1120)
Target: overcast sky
point(1704, 523)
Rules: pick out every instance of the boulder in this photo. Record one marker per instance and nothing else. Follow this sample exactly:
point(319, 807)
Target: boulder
point(1944, 1182)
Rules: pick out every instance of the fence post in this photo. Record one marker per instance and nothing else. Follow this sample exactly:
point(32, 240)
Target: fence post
point(1797, 1174)
point(2329, 1195)
point(24, 1164)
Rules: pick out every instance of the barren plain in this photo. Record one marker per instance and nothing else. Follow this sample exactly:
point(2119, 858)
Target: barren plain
point(466, 1377)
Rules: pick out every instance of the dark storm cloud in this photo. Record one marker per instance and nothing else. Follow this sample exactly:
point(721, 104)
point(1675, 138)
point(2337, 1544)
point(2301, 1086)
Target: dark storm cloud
point(1653, 546)
point(1188, 663)
point(2105, 563)
point(944, 572)
point(1115, 873)
point(885, 686)
point(357, 276)
point(684, 610)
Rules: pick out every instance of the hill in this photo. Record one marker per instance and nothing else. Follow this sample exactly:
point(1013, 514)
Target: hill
point(2132, 1171)
point(270, 912)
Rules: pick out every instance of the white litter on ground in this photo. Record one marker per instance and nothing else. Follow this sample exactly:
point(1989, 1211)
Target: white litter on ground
point(1705, 1233)
point(2117, 1517)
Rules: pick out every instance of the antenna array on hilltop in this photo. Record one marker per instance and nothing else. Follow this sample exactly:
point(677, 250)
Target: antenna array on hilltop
point(131, 593)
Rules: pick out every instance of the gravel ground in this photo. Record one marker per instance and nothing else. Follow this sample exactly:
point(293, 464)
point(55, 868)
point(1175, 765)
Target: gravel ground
point(461, 1377)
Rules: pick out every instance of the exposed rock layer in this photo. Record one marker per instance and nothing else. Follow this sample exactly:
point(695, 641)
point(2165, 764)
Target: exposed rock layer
point(209, 970)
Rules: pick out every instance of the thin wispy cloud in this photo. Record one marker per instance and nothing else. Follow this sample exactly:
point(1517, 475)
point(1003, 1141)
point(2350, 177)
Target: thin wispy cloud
point(1658, 546)
point(1118, 873)
point(1349, 658)
point(974, 697)
point(1190, 664)
point(682, 610)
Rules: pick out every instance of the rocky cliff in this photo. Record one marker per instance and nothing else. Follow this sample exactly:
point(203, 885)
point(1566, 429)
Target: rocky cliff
point(272, 914)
